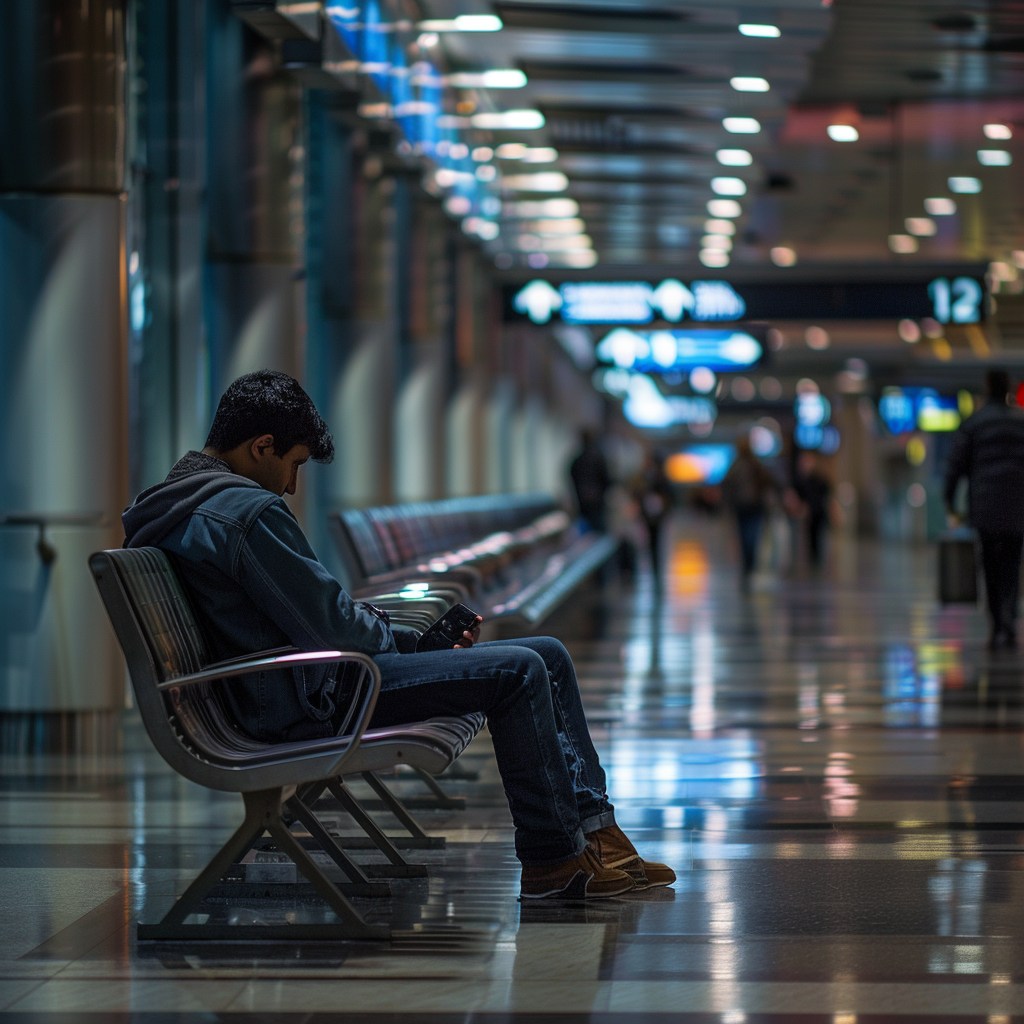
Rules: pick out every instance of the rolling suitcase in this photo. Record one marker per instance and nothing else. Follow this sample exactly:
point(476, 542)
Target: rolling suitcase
point(958, 567)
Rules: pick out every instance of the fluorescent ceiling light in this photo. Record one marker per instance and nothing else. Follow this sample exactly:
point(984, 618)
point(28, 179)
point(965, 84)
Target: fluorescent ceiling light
point(749, 83)
point(509, 78)
point(964, 186)
point(842, 133)
point(540, 155)
point(940, 206)
point(783, 256)
point(565, 243)
point(427, 40)
point(741, 125)
point(485, 172)
point(999, 132)
point(995, 157)
point(760, 31)
point(717, 226)
point(562, 226)
point(723, 243)
point(463, 23)
point(513, 120)
point(511, 150)
point(724, 208)
point(545, 181)
point(713, 258)
point(582, 258)
point(482, 154)
point(923, 227)
point(544, 208)
point(734, 158)
point(729, 186)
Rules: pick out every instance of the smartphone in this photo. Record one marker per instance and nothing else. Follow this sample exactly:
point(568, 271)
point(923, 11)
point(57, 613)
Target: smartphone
point(447, 631)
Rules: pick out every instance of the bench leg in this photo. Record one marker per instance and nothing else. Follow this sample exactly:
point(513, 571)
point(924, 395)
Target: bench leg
point(328, 844)
point(391, 802)
point(262, 814)
point(401, 867)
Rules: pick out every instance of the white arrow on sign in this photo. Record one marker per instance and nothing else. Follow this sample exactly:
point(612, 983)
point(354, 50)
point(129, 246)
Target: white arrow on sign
point(538, 300)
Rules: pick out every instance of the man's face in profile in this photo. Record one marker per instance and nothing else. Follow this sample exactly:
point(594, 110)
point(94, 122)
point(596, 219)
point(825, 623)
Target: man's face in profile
point(280, 473)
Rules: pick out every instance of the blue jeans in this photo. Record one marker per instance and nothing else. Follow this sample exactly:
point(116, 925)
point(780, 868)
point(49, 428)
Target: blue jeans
point(527, 688)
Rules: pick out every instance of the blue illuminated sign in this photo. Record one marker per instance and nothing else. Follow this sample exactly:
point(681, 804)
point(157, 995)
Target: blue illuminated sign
point(679, 350)
point(629, 302)
point(957, 301)
point(646, 406)
point(904, 410)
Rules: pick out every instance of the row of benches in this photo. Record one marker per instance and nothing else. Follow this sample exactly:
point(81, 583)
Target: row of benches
point(511, 556)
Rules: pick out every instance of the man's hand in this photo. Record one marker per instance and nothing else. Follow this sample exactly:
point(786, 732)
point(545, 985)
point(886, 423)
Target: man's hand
point(471, 636)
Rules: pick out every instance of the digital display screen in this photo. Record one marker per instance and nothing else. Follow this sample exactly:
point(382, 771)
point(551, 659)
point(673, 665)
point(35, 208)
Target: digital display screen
point(904, 410)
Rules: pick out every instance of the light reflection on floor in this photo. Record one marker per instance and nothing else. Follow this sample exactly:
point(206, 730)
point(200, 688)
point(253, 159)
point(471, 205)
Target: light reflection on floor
point(832, 762)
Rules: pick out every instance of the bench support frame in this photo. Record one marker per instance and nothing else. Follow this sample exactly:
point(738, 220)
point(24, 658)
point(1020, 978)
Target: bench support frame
point(263, 814)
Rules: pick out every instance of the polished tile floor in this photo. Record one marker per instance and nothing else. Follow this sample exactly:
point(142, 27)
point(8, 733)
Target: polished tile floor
point(832, 762)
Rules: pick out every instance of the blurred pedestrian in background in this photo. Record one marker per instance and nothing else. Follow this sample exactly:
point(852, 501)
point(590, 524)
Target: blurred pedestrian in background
point(989, 451)
point(590, 477)
point(654, 496)
point(746, 489)
point(814, 489)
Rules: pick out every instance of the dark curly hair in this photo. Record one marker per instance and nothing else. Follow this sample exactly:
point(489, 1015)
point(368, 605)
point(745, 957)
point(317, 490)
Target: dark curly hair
point(270, 402)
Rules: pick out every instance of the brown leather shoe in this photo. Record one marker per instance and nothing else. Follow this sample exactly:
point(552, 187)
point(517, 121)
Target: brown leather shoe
point(614, 850)
point(581, 878)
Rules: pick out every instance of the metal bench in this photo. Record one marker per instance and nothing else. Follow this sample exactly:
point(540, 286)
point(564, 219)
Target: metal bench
point(180, 699)
point(512, 556)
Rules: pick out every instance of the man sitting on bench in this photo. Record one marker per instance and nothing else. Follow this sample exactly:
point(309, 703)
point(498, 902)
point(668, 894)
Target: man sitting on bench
point(256, 584)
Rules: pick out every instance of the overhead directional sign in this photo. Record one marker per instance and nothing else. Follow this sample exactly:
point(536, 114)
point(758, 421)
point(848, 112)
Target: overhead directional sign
point(628, 302)
point(955, 296)
point(679, 350)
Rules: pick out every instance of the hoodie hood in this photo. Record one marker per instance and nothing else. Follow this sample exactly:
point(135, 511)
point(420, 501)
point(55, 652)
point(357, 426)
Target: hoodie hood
point(193, 480)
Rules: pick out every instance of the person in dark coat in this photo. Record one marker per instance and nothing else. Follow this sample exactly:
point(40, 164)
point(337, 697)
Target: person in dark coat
point(653, 494)
point(590, 477)
point(746, 488)
point(814, 490)
point(989, 450)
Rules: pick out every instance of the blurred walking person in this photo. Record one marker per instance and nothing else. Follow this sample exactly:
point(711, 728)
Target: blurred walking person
point(814, 490)
point(989, 451)
point(653, 495)
point(746, 489)
point(590, 477)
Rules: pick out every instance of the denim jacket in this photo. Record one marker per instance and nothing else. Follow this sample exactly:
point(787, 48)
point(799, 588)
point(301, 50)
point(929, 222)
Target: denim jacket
point(256, 584)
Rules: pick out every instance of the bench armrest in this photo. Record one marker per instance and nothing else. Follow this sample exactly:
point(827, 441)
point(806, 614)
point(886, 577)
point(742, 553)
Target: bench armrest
point(279, 657)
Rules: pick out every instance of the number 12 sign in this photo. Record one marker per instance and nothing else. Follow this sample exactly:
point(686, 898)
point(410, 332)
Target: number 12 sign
point(957, 301)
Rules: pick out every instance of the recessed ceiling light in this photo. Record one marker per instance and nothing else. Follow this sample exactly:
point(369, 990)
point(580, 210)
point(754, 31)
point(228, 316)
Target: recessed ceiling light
point(463, 23)
point(760, 31)
point(842, 133)
point(714, 258)
point(783, 256)
point(512, 151)
point(964, 186)
point(734, 158)
point(940, 206)
point(544, 181)
point(995, 157)
point(924, 227)
point(903, 243)
point(724, 208)
point(729, 186)
point(515, 120)
point(998, 131)
point(723, 243)
point(749, 83)
point(718, 226)
point(741, 125)
point(540, 155)
point(482, 154)
point(498, 78)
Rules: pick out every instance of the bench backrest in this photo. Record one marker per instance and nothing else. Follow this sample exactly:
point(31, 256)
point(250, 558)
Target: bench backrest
point(375, 541)
point(161, 639)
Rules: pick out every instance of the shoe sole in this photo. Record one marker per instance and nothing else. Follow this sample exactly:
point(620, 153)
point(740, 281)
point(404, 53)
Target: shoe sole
point(576, 891)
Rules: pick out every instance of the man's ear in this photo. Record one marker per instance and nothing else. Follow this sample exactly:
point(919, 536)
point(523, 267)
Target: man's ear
point(261, 446)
